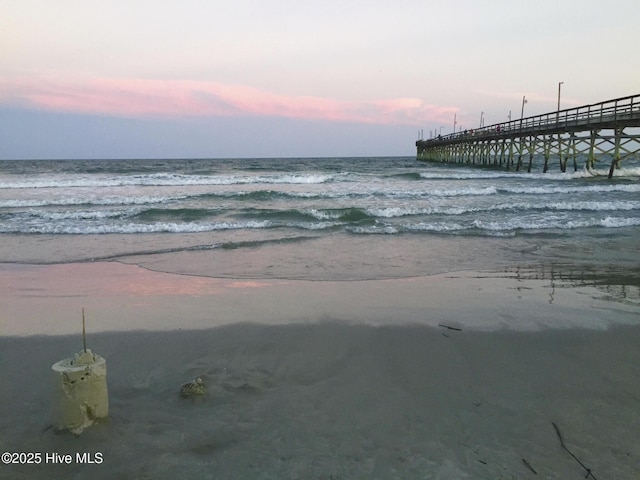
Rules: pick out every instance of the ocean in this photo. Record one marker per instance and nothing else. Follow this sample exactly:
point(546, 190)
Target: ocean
point(318, 218)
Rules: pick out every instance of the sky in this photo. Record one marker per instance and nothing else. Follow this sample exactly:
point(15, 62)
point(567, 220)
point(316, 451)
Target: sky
point(278, 78)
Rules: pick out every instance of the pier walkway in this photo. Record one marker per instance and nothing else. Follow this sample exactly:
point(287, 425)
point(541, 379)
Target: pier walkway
point(605, 131)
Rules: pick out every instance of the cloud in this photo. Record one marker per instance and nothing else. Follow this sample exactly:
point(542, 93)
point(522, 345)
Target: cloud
point(184, 98)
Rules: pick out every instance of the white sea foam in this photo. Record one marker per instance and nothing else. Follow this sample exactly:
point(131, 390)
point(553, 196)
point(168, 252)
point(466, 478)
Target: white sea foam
point(87, 200)
point(466, 175)
point(132, 228)
point(440, 192)
point(64, 224)
point(582, 188)
point(570, 174)
point(374, 229)
point(394, 212)
point(391, 212)
point(590, 205)
point(615, 222)
point(323, 214)
point(529, 224)
point(436, 227)
point(161, 179)
point(81, 214)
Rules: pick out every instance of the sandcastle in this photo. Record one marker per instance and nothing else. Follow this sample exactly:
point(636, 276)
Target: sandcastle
point(80, 395)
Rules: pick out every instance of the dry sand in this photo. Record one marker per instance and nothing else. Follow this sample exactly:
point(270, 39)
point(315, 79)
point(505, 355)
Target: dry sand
point(319, 380)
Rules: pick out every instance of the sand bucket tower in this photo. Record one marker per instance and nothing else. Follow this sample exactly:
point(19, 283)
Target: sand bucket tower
point(80, 395)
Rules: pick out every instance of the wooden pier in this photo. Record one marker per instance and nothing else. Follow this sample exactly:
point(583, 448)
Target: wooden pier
point(601, 132)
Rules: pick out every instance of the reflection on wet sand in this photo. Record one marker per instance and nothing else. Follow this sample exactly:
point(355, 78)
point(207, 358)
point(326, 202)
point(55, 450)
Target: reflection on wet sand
point(46, 300)
point(622, 285)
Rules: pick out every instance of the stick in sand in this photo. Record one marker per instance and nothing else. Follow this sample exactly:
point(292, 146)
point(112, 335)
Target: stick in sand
point(589, 473)
point(84, 336)
point(528, 465)
point(450, 328)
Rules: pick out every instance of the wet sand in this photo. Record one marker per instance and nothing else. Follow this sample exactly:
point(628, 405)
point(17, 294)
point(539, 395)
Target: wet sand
point(48, 300)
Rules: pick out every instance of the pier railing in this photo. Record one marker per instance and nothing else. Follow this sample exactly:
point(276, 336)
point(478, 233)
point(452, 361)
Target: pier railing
point(609, 114)
point(560, 127)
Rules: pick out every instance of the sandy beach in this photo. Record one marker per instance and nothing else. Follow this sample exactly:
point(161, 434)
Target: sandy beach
point(458, 375)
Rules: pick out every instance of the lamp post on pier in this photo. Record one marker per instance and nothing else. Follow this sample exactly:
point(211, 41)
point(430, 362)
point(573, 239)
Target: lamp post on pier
point(559, 87)
point(558, 111)
point(524, 100)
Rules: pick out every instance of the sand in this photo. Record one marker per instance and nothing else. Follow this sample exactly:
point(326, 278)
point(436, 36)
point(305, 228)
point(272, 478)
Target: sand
point(319, 380)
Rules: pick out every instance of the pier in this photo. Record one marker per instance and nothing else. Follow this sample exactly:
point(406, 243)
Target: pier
point(600, 132)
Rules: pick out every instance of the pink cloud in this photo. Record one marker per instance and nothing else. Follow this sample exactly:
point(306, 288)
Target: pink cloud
point(171, 98)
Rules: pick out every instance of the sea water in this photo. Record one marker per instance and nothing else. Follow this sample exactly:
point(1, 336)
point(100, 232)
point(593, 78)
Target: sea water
point(317, 218)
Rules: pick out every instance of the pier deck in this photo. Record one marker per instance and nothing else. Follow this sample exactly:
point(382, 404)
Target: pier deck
point(596, 132)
